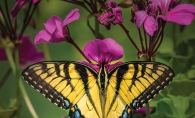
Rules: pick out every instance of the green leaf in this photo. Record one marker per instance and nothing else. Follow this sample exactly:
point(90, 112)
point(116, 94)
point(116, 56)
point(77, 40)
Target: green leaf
point(184, 56)
point(177, 107)
point(182, 88)
point(164, 57)
point(180, 64)
point(138, 116)
point(191, 73)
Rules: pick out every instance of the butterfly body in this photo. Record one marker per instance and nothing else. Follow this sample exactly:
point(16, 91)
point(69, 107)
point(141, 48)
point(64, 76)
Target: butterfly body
point(87, 93)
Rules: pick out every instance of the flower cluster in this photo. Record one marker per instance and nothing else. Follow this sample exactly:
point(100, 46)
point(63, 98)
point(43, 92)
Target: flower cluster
point(168, 10)
point(113, 15)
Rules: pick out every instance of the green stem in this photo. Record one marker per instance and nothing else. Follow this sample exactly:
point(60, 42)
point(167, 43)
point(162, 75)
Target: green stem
point(27, 100)
point(17, 77)
point(15, 68)
point(46, 52)
point(77, 47)
point(5, 77)
point(2, 104)
point(10, 58)
point(147, 110)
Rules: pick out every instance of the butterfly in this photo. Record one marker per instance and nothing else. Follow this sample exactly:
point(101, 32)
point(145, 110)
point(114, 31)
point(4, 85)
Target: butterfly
point(87, 93)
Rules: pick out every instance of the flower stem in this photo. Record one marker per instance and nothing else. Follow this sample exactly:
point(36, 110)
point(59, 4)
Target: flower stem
point(10, 58)
point(27, 100)
point(77, 47)
point(141, 39)
point(17, 77)
point(46, 52)
point(2, 104)
point(15, 68)
point(147, 110)
point(5, 77)
point(127, 33)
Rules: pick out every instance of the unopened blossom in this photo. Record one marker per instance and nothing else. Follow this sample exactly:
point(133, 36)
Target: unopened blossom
point(27, 52)
point(182, 14)
point(18, 5)
point(56, 29)
point(112, 16)
point(103, 52)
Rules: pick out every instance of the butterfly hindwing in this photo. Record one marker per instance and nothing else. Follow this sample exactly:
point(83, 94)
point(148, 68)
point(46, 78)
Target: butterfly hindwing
point(138, 82)
point(65, 84)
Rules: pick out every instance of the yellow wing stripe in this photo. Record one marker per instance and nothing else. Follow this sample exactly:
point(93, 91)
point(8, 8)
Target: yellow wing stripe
point(60, 81)
point(140, 81)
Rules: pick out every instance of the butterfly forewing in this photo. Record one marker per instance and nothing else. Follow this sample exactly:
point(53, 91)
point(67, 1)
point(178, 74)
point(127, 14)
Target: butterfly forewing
point(138, 82)
point(63, 83)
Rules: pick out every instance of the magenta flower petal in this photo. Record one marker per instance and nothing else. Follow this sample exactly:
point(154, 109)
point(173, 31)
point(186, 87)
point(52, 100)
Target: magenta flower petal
point(118, 15)
point(103, 52)
point(104, 20)
point(113, 15)
point(3, 56)
point(163, 4)
point(110, 67)
point(94, 66)
point(150, 25)
point(56, 29)
point(114, 50)
point(72, 16)
point(182, 14)
point(16, 8)
point(18, 5)
point(50, 25)
point(140, 17)
point(143, 110)
point(95, 50)
point(58, 34)
point(42, 37)
point(28, 52)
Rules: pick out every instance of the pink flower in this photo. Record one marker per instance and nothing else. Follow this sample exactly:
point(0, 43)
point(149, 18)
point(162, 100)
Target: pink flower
point(27, 52)
point(149, 22)
point(147, 18)
point(182, 14)
point(55, 29)
point(114, 15)
point(18, 5)
point(103, 52)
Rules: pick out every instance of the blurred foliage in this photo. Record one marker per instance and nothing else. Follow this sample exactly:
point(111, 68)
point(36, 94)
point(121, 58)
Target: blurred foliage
point(176, 107)
point(177, 51)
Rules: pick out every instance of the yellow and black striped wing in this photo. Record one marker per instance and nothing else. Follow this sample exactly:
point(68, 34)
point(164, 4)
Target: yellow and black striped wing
point(134, 84)
point(66, 84)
